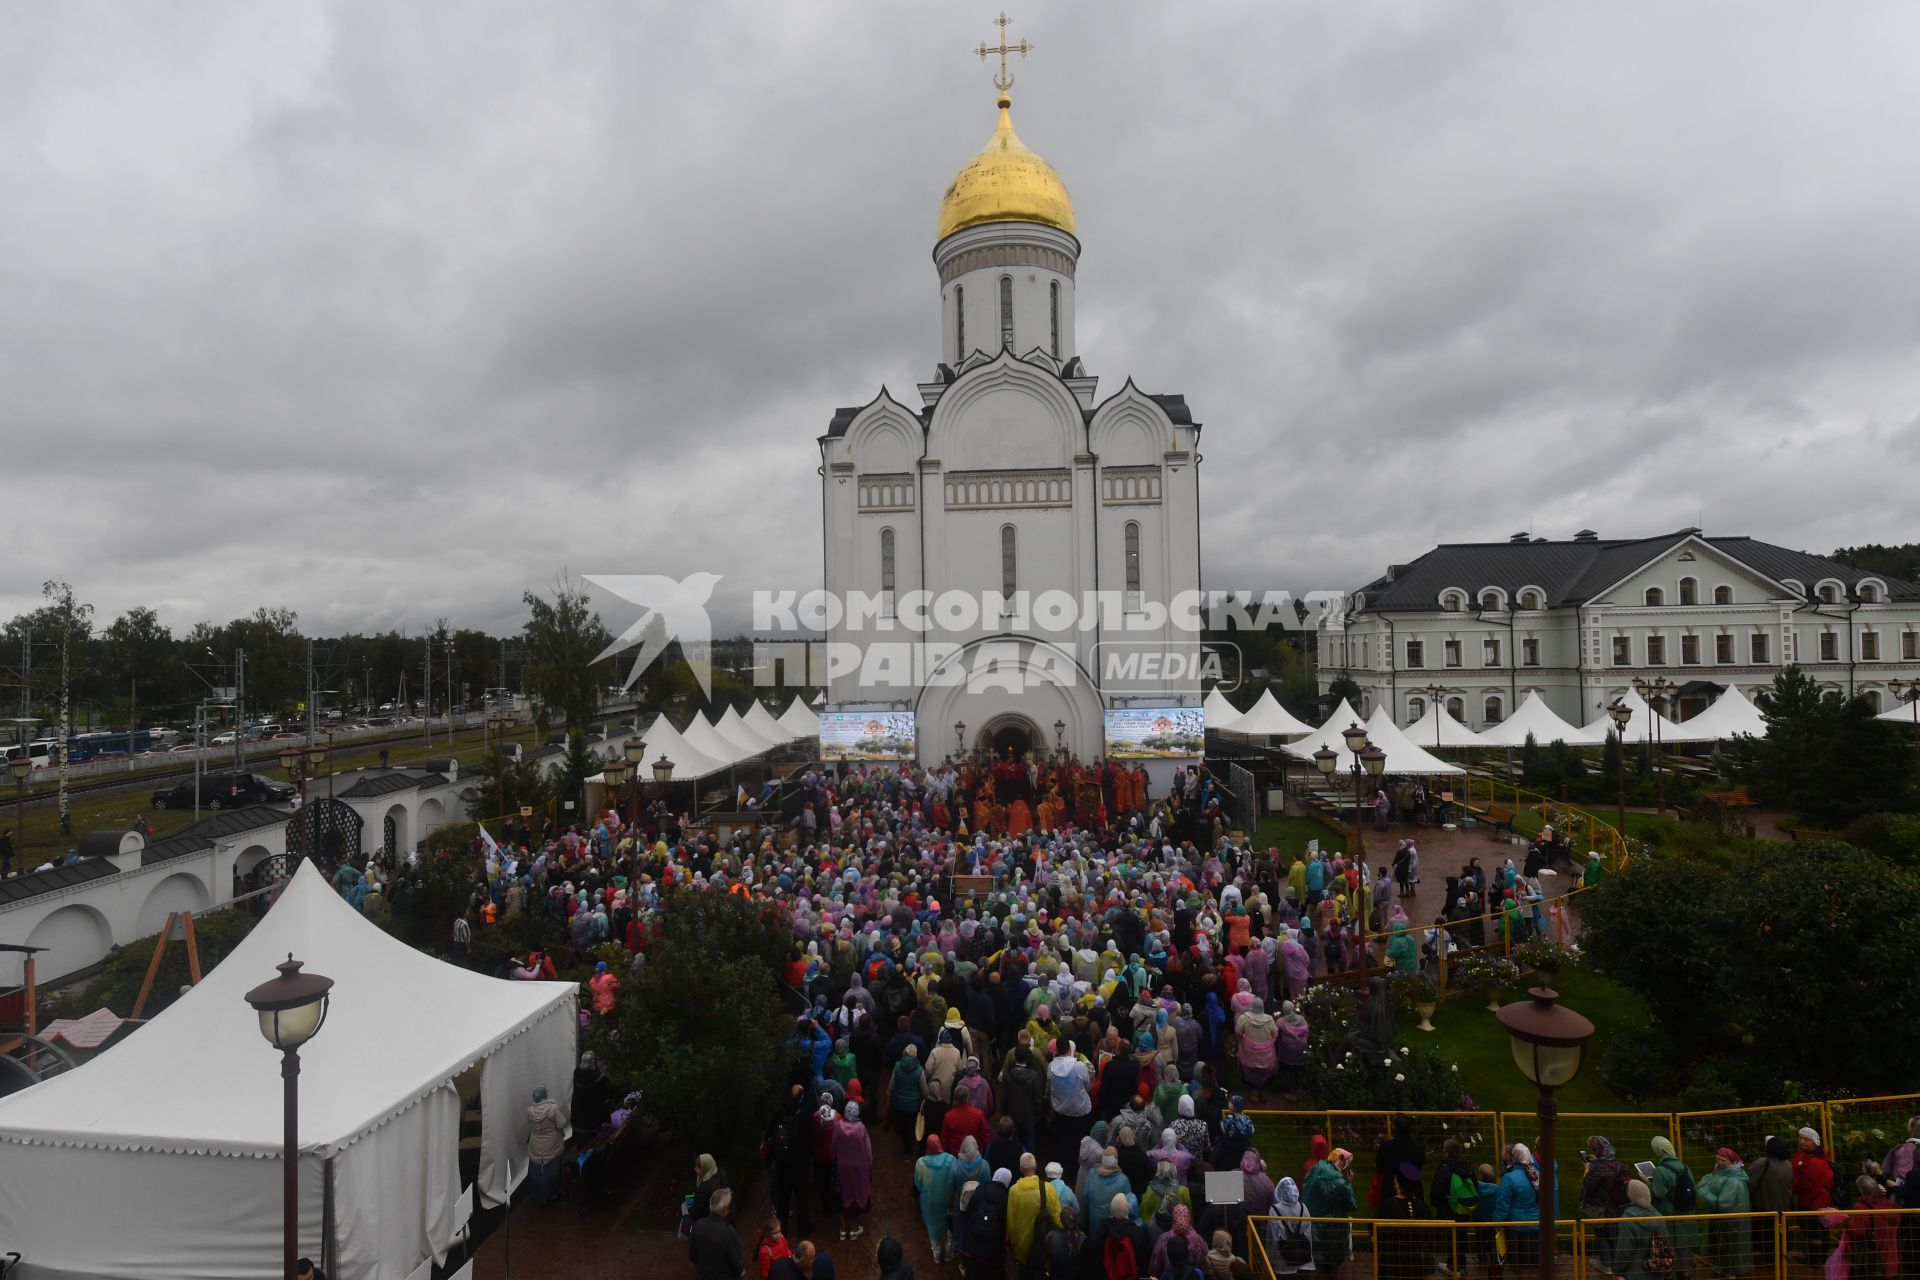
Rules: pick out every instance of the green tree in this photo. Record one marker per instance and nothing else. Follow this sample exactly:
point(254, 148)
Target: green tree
point(1825, 756)
point(563, 637)
point(1771, 962)
point(700, 1031)
point(1344, 686)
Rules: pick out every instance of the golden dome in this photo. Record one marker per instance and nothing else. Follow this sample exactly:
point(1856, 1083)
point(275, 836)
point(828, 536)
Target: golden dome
point(1005, 183)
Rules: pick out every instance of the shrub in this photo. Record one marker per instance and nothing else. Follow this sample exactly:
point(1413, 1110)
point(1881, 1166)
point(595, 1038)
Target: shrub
point(1639, 1063)
point(1486, 976)
point(117, 985)
point(1410, 990)
point(1543, 954)
point(1894, 836)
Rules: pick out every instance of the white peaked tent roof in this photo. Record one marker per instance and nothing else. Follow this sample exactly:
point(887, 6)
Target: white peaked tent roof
point(153, 1125)
point(1731, 713)
point(1901, 711)
point(1639, 725)
point(1327, 735)
point(1532, 718)
point(1218, 712)
point(1450, 733)
point(688, 760)
point(1404, 755)
point(761, 721)
point(799, 721)
point(1268, 716)
point(707, 740)
point(734, 728)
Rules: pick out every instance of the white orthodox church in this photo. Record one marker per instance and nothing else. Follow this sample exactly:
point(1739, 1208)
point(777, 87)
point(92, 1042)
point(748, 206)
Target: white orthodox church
point(1008, 477)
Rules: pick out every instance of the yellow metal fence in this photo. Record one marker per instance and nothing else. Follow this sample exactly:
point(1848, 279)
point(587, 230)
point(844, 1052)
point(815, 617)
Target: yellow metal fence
point(1865, 1244)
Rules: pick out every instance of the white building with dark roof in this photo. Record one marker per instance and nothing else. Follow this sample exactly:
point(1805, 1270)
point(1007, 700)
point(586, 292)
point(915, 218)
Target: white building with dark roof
point(1578, 620)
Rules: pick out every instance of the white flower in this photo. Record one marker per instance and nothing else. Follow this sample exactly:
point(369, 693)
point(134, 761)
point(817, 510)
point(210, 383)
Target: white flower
point(1399, 1078)
point(1386, 1062)
point(1454, 1067)
point(1340, 1066)
point(1404, 1049)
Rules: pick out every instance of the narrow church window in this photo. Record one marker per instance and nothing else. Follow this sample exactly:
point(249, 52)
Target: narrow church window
point(1006, 312)
point(886, 561)
point(1133, 555)
point(1053, 291)
point(960, 320)
point(1007, 574)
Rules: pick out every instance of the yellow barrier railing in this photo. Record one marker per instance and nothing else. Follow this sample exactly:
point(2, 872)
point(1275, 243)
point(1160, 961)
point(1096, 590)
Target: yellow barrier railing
point(1736, 1246)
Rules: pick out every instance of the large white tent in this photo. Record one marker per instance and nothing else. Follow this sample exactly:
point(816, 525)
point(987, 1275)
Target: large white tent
point(705, 739)
point(1531, 719)
point(734, 728)
point(799, 721)
point(1639, 724)
point(1267, 716)
point(761, 721)
point(1904, 712)
point(688, 760)
point(161, 1157)
point(1731, 713)
point(1438, 728)
point(1218, 713)
point(1403, 755)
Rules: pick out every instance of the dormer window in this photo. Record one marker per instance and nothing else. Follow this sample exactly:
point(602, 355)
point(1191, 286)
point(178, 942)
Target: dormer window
point(1869, 593)
point(1453, 601)
point(1529, 599)
point(1828, 594)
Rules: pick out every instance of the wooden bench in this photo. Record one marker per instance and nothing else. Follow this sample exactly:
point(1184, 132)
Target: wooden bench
point(1808, 833)
point(1499, 819)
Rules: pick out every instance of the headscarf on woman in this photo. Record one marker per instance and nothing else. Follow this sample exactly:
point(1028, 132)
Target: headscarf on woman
point(1181, 1230)
point(1258, 1186)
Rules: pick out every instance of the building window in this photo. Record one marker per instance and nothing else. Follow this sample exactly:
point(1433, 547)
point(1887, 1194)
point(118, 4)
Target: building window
point(1416, 655)
point(1829, 647)
point(1828, 595)
point(1530, 600)
point(1007, 566)
point(1623, 651)
point(1492, 710)
point(1873, 700)
point(1457, 708)
point(1689, 591)
point(1910, 646)
point(1490, 652)
point(1723, 648)
point(959, 322)
point(1053, 300)
point(1530, 653)
point(1689, 651)
point(1723, 595)
point(1453, 602)
point(1133, 559)
point(1416, 707)
point(1489, 600)
point(1006, 312)
point(1656, 597)
point(1869, 594)
point(886, 561)
point(1451, 649)
point(1869, 646)
point(1656, 651)
point(1757, 648)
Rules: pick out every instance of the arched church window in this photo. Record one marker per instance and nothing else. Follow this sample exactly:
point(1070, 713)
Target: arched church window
point(1053, 297)
point(960, 321)
point(1492, 710)
point(1007, 564)
point(1133, 555)
point(1006, 312)
point(1656, 597)
point(886, 561)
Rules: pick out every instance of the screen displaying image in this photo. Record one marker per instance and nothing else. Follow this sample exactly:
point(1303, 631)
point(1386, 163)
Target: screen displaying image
point(866, 735)
point(1155, 733)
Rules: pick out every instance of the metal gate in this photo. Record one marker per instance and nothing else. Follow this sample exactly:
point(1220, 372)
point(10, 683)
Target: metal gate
point(325, 831)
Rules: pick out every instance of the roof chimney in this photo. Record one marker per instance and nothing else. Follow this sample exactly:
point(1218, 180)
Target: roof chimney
point(1519, 537)
point(1586, 535)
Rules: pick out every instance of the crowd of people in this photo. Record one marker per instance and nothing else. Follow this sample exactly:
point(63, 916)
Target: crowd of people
point(1048, 1050)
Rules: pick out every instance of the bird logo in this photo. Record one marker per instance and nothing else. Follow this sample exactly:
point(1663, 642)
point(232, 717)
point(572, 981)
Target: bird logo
point(670, 609)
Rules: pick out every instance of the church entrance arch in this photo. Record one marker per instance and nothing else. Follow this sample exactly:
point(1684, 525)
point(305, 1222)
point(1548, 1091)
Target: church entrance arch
point(1011, 737)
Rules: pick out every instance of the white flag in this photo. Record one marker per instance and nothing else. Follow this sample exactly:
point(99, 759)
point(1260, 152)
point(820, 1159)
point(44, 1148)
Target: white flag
point(493, 849)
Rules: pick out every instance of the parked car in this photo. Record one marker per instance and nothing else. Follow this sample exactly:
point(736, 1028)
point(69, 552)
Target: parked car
point(223, 791)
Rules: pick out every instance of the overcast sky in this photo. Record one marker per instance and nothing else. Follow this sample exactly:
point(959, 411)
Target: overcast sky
point(388, 311)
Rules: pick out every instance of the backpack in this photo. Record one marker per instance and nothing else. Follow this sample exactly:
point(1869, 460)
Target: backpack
point(1463, 1196)
point(1683, 1191)
point(1294, 1248)
point(1660, 1258)
point(1116, 1258)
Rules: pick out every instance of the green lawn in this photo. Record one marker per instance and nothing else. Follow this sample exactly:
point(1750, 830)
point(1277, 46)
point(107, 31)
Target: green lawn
point(1290, 835)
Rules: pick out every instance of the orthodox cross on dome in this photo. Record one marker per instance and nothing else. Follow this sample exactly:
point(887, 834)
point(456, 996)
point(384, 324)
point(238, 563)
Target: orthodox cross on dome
point(1003, 81)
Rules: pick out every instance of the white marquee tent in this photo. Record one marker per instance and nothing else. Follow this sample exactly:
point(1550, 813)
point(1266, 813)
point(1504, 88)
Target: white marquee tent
point(1904, 712)
point(799, 721)
point(761, 721)
point(709, 742)
point(1438, 728)
point(688, 760)
point(161, 1157)
point(1731, 713)
point(1267, 716)
point(1403, 756)
point(734, 728)
point(1218, 713)
point(1532, 718)
point(1639, 725)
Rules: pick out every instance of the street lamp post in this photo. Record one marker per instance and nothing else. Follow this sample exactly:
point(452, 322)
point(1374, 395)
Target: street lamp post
point(292, 1008)
point(1549, 1043)
point(317, 753)
point(635, 750)
point(1655, 694)
point(1436, 693)
point(293, 760)
point(663, 778)
point(616, 771)
point(959, 738)
point(1621, 713)
point(1060, 735)
point(1355, 736)
point(1907, 691)
point(20, 767)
